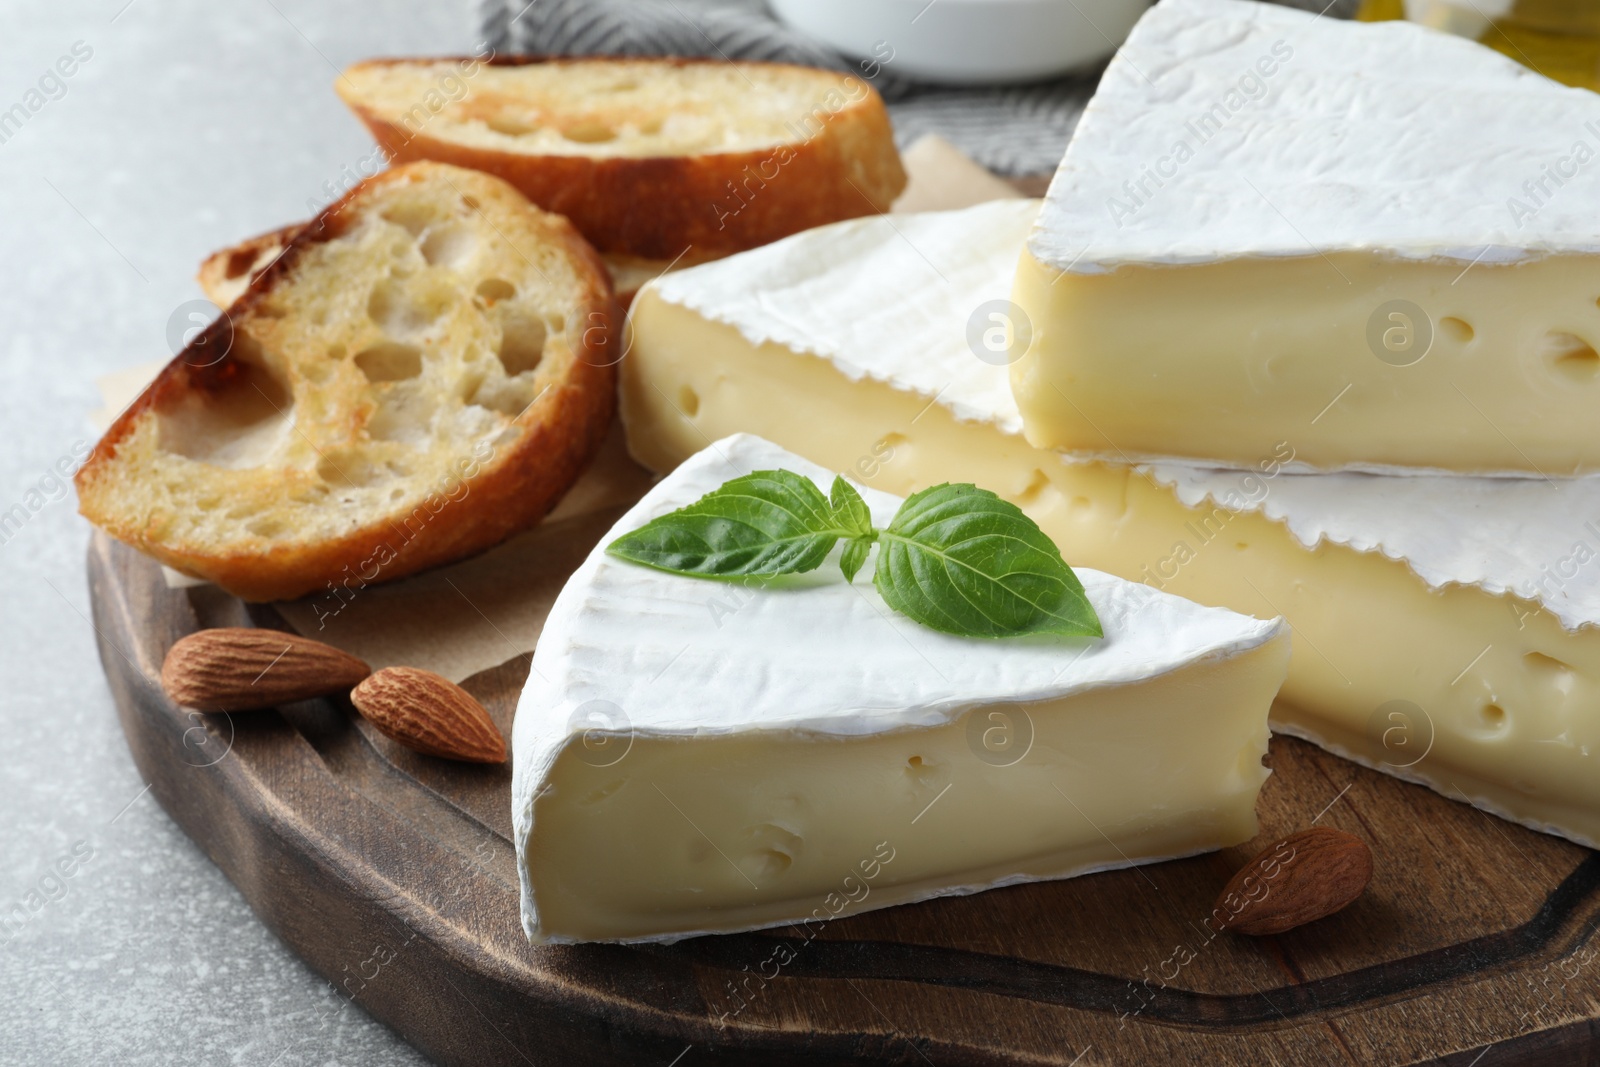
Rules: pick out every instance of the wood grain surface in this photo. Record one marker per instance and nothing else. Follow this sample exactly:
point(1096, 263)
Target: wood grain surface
point(394, 876)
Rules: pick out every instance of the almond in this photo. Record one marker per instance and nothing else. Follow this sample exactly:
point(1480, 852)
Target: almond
point(429, 714)
point(1303, 877)
point(242, 669)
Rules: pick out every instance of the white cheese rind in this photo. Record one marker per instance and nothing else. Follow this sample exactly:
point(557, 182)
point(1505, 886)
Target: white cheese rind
point(1528, 537)
point(655, 642)
point(744, 672)
point(1537, 540)
point(804, 292)
point(1499, 690)
point(1375, 241)
point(1325, 135)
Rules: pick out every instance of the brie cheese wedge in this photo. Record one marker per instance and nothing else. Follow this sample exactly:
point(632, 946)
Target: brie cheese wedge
point(1446, 629)
point(1375, 241)
point(696, 756)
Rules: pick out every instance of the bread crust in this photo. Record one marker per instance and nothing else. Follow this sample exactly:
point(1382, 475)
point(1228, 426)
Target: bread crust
point(508, 492)
point(659, 207)
point(225, 275)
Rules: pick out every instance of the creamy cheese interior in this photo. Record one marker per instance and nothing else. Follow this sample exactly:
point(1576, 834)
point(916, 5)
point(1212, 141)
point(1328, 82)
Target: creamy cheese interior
point(735, 832)
point(1358, 360)
point(1372, 240)
point(694, 756)
point(1484, 698)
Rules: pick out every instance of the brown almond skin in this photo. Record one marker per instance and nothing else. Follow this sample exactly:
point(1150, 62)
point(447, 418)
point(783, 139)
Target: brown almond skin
point(1304, 877)
point(428, 713)
point(244, 669)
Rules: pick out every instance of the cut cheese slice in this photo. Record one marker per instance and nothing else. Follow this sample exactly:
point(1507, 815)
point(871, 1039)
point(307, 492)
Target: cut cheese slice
point(1446, 629)
point(1375, 241)
point(696, 756)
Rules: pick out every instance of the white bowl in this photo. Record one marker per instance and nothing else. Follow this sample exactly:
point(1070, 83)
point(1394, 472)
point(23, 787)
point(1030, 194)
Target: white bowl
point(965, 42)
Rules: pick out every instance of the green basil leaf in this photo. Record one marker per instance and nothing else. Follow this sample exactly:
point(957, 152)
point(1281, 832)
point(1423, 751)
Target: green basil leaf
point(761, 525)
point(849, 509)
point(851, 512)
point(959, 559)
point(855, 554)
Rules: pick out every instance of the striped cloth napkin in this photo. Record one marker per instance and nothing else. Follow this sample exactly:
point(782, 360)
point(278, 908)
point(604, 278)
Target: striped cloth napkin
point(1014, 130)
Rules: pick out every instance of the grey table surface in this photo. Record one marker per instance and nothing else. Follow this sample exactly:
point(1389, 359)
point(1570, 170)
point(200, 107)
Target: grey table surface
point(190, 124)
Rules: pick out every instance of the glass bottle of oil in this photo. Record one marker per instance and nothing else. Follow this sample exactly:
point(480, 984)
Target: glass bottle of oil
point(1558, 38)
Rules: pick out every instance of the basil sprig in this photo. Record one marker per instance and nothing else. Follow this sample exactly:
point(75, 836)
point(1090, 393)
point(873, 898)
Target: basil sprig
point(955, 558)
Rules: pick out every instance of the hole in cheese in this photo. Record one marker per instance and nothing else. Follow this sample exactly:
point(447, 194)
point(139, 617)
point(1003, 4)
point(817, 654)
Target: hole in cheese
point(1540, 662)
point(1458, 330)
point(1571, 356)
point(595, 796)
point(769, 852)
point(764, 866)
point(1494, 716)
point(923, 776)
point(688, 402)
point(1038, 482)
point(1551, 671)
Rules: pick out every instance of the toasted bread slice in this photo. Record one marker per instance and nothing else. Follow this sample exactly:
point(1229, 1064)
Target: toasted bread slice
point(423, 371)
point(225, 275)
point(647, 157)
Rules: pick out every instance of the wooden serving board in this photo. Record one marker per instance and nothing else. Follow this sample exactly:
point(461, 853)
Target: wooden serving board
point(394, 876)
